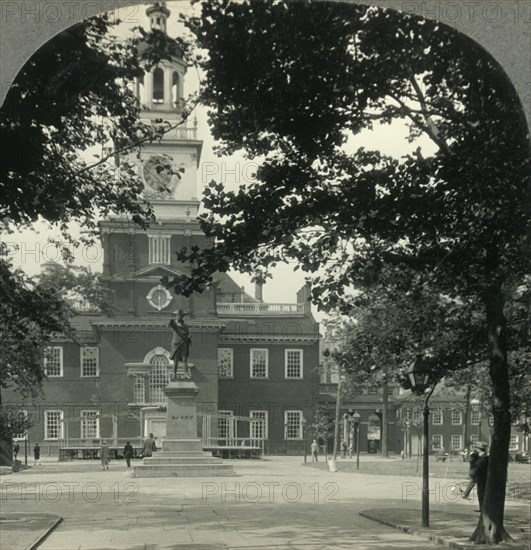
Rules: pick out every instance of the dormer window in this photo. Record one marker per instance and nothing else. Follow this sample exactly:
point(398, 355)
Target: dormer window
point(158, 85)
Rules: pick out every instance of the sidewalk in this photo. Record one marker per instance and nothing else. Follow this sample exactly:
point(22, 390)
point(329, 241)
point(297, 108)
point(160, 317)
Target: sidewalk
point(450, 528)
point(277, 503)
point(21, 530)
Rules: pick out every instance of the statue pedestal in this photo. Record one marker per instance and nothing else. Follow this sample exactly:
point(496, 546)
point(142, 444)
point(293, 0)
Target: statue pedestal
point(182, 453)
point(181, 420)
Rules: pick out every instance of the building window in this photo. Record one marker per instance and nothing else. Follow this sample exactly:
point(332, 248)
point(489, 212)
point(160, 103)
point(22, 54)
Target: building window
point(293, 362)
point(259, 363)
point(259, 424)
point(139, 389)
point(436, 442)
point(158, 378)
point(158, 85)
point(513, 443)
point(159, 297)
point(175, 89)
point(293, 425)
point(456, 442)
point(475, 417)
point(159, 249)
point(225, 361)
point(416, 416)
point(457, 418)
point(474, 438)
point(224, 424)
point(90, 424)
point(53, 427)
point(53, 361)
point(90, 364)
point(437, 417)
point(22, 435)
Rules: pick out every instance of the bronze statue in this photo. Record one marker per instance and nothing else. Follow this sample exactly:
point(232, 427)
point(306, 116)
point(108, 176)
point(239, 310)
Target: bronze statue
point(180, 343)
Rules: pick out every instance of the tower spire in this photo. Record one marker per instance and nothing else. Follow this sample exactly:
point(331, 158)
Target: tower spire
point(158, 15)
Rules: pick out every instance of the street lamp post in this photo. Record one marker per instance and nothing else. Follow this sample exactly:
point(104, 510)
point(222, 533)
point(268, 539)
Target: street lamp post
point(356, 421)
point(303, 422)
point(420, 378)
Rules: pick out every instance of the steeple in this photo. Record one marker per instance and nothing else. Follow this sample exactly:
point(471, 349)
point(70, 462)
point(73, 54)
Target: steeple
point(158, 15)
point(161, 90)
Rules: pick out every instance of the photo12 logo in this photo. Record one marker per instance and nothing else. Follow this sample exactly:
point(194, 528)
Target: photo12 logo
point(73, 491)
point(269, 491)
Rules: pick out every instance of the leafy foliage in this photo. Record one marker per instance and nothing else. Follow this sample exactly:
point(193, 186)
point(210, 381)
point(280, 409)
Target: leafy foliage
point(30, 315)
point(290, 83)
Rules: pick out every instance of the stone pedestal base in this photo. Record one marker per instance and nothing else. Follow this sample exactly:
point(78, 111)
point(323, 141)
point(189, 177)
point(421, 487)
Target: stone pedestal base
point(182, 454)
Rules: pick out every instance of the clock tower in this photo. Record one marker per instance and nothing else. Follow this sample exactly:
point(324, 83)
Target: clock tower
point(136, 259)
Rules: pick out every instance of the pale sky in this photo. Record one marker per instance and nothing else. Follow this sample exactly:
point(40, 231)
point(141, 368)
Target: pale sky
point(34, 248)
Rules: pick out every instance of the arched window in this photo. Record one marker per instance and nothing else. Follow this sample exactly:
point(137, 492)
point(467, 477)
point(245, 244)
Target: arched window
point(158, 85)
point(175, 88)
point(158, 378)
point(141, 90)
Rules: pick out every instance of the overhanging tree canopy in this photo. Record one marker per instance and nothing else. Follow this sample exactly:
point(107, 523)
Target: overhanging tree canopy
point(291, 82)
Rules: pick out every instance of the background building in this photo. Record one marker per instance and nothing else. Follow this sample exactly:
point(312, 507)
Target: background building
point(250, 358)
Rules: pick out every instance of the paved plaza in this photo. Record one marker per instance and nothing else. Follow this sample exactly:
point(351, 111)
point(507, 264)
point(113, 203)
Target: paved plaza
point(273, 503)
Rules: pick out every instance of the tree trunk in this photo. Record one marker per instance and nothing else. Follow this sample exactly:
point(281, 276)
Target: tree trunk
point(336, 427)
point(490, 529)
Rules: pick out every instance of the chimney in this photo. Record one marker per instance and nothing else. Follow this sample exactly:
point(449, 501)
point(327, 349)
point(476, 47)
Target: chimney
point(258, 285)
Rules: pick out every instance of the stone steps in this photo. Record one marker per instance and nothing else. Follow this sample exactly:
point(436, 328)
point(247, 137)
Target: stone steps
point(155, 460)
point(184, 470)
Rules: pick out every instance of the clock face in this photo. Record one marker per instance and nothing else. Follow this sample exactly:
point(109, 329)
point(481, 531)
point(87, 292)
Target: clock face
point(159, 175)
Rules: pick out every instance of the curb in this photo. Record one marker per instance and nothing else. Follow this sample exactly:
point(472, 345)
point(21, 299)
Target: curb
point(35, 544)
point(440, 539)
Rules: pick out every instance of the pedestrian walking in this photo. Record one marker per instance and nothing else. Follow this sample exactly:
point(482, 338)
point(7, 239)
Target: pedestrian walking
point(128, 453)
point(343, 447)
point(314, 448)
point(479, 462)
point(105, 455)
point(149, 446)
point(37, 454)
point(16, 449)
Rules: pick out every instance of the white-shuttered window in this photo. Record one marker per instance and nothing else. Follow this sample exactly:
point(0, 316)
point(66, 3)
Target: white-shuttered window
point(225, 361)
point(53, 361)
point(259, 363)
point(293, 424)
point(158, 379)
point(293, 362)
point(90, 424)
point(159, 249)
point(90, 362)
point(53, 427)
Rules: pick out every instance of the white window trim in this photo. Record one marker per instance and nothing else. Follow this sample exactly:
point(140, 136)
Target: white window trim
point(301, 355)
point(82, 429)
point(478, 412)
point(81, 350)
point(61, 363)
point(265, 420)
point(514, 442)
point(231, 375)
point(441, 416)
point(61, 424)
point(266, 365)
point(460, 423)
point(460, 446)
point(300, 438)
point(441, 442)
